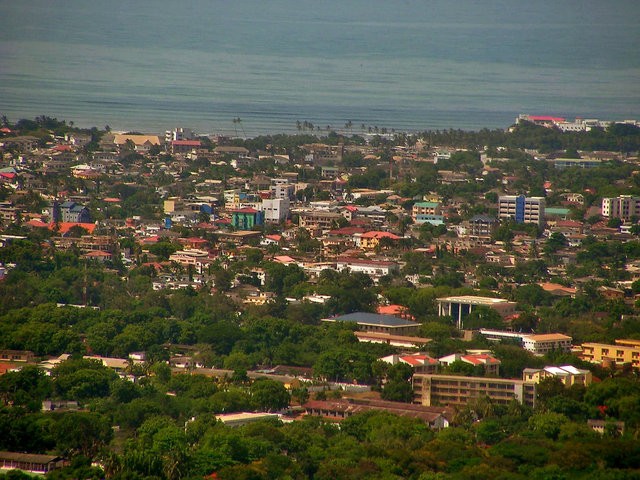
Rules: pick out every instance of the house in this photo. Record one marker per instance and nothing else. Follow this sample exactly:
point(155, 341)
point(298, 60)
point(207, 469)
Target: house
point(420, 362)
point(246, 218)
point(30, 462)
point(69, 212)
point(372, 240)
point(16, 356)
point(488, 362)
point(567, 374)
point(374, 268)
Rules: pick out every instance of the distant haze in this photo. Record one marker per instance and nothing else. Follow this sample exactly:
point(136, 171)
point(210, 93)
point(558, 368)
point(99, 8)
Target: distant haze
point(405, 64)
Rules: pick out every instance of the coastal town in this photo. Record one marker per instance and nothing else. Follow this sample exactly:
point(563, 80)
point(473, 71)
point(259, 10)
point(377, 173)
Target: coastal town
point(484, 284)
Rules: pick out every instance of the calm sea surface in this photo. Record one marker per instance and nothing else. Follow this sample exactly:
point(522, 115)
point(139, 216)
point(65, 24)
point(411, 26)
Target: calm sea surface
point(151, 65)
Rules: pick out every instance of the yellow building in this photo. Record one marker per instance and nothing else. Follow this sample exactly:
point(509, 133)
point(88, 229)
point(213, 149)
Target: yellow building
point(624, 351)
point(567, 374)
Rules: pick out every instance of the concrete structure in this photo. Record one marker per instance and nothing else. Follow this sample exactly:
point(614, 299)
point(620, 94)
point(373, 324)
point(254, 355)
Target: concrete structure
point(275, 210)
point(576, 162)
point(623, 352)
point(420, 362)
point(69, 212)
point(460, 307)
point(452, 390)
point(246, 218)
point(373, 268)
point(568, 375)
point(30, 462)
point(538, 344)
point(422, 210)
point(390, 339)
point(318, 219)
point(544, 343)
point(522, 209)
point(373, 322)
point(338, 410)
point(489, 363)
point(239, 419)
point(623, 207)
point(482, 227)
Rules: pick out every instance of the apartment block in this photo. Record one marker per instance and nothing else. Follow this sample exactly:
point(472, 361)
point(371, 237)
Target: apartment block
point(568, 375)
point(522, 209)
point(623, 207)
point(452, 390)
point(623, 352)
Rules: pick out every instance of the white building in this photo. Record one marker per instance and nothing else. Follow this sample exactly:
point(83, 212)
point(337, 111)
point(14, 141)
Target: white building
point(275, 210)
point(522, 209)
point(623, 207)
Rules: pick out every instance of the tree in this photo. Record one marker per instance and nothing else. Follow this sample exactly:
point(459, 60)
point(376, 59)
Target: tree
point(398, 387)
point(82, 433)
point(269, 395)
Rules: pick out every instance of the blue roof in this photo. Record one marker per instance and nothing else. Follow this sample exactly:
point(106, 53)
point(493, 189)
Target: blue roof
point(365, 318)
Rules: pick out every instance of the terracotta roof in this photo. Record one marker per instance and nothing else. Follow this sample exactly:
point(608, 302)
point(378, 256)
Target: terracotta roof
point(64, 227)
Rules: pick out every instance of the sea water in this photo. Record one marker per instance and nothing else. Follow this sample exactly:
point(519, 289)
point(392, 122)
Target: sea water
point(409, 65)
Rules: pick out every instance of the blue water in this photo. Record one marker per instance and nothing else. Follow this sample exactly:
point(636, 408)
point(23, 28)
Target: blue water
point(151, 65)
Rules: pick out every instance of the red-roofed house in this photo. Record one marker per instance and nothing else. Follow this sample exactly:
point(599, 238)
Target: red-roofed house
point(489, 362)
point(420, 362)
point(371, 240)
point(64, 227)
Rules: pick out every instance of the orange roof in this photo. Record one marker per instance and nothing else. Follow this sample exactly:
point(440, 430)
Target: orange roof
point(376, 234)
point(64, 227)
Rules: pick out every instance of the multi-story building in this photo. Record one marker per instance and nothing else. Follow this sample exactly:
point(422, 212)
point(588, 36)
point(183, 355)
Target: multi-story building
point(318, 219)
point(623, 207)
point(452, 390)
point(422, 211)
point(522, 209)
point(537, 344)
point(275, 210)
point(546, 342)
point(373, 268)
point(568, 375)
point(623, 352)
point(69, 212)
point(482, 227)
point(460, 307)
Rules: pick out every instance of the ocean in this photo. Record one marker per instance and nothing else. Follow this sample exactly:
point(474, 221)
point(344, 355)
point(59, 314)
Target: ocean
point(408, 65)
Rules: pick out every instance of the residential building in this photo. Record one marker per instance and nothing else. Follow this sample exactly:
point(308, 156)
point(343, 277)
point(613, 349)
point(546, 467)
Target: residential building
point(318, 219)
point(544, 343)
point(623, 207)
point(69, 212)
point(623, 352)
point(538, 344)
point(422, 209)
point(567, 374)
point(460, 307)
point(374, 268)
point(31, 462)
point(373, 322)
point(420, 362)
point(522, 209)
point(482, 227)
point(246, 218)
point(489, 363)
point(178, 134)
point(453, 390)
point(371, 240)
point(275, 210)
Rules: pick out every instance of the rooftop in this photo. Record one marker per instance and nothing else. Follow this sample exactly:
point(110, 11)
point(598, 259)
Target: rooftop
point(366, 318)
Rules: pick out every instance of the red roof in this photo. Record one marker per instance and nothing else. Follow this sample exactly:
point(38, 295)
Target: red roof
point(187, 143)
point(9, 175)
point(62, 148)
point(111, 200)
point(37, 223)
point(64, 227)
point(98, 254)
point(245, 210)
point(376, 234)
